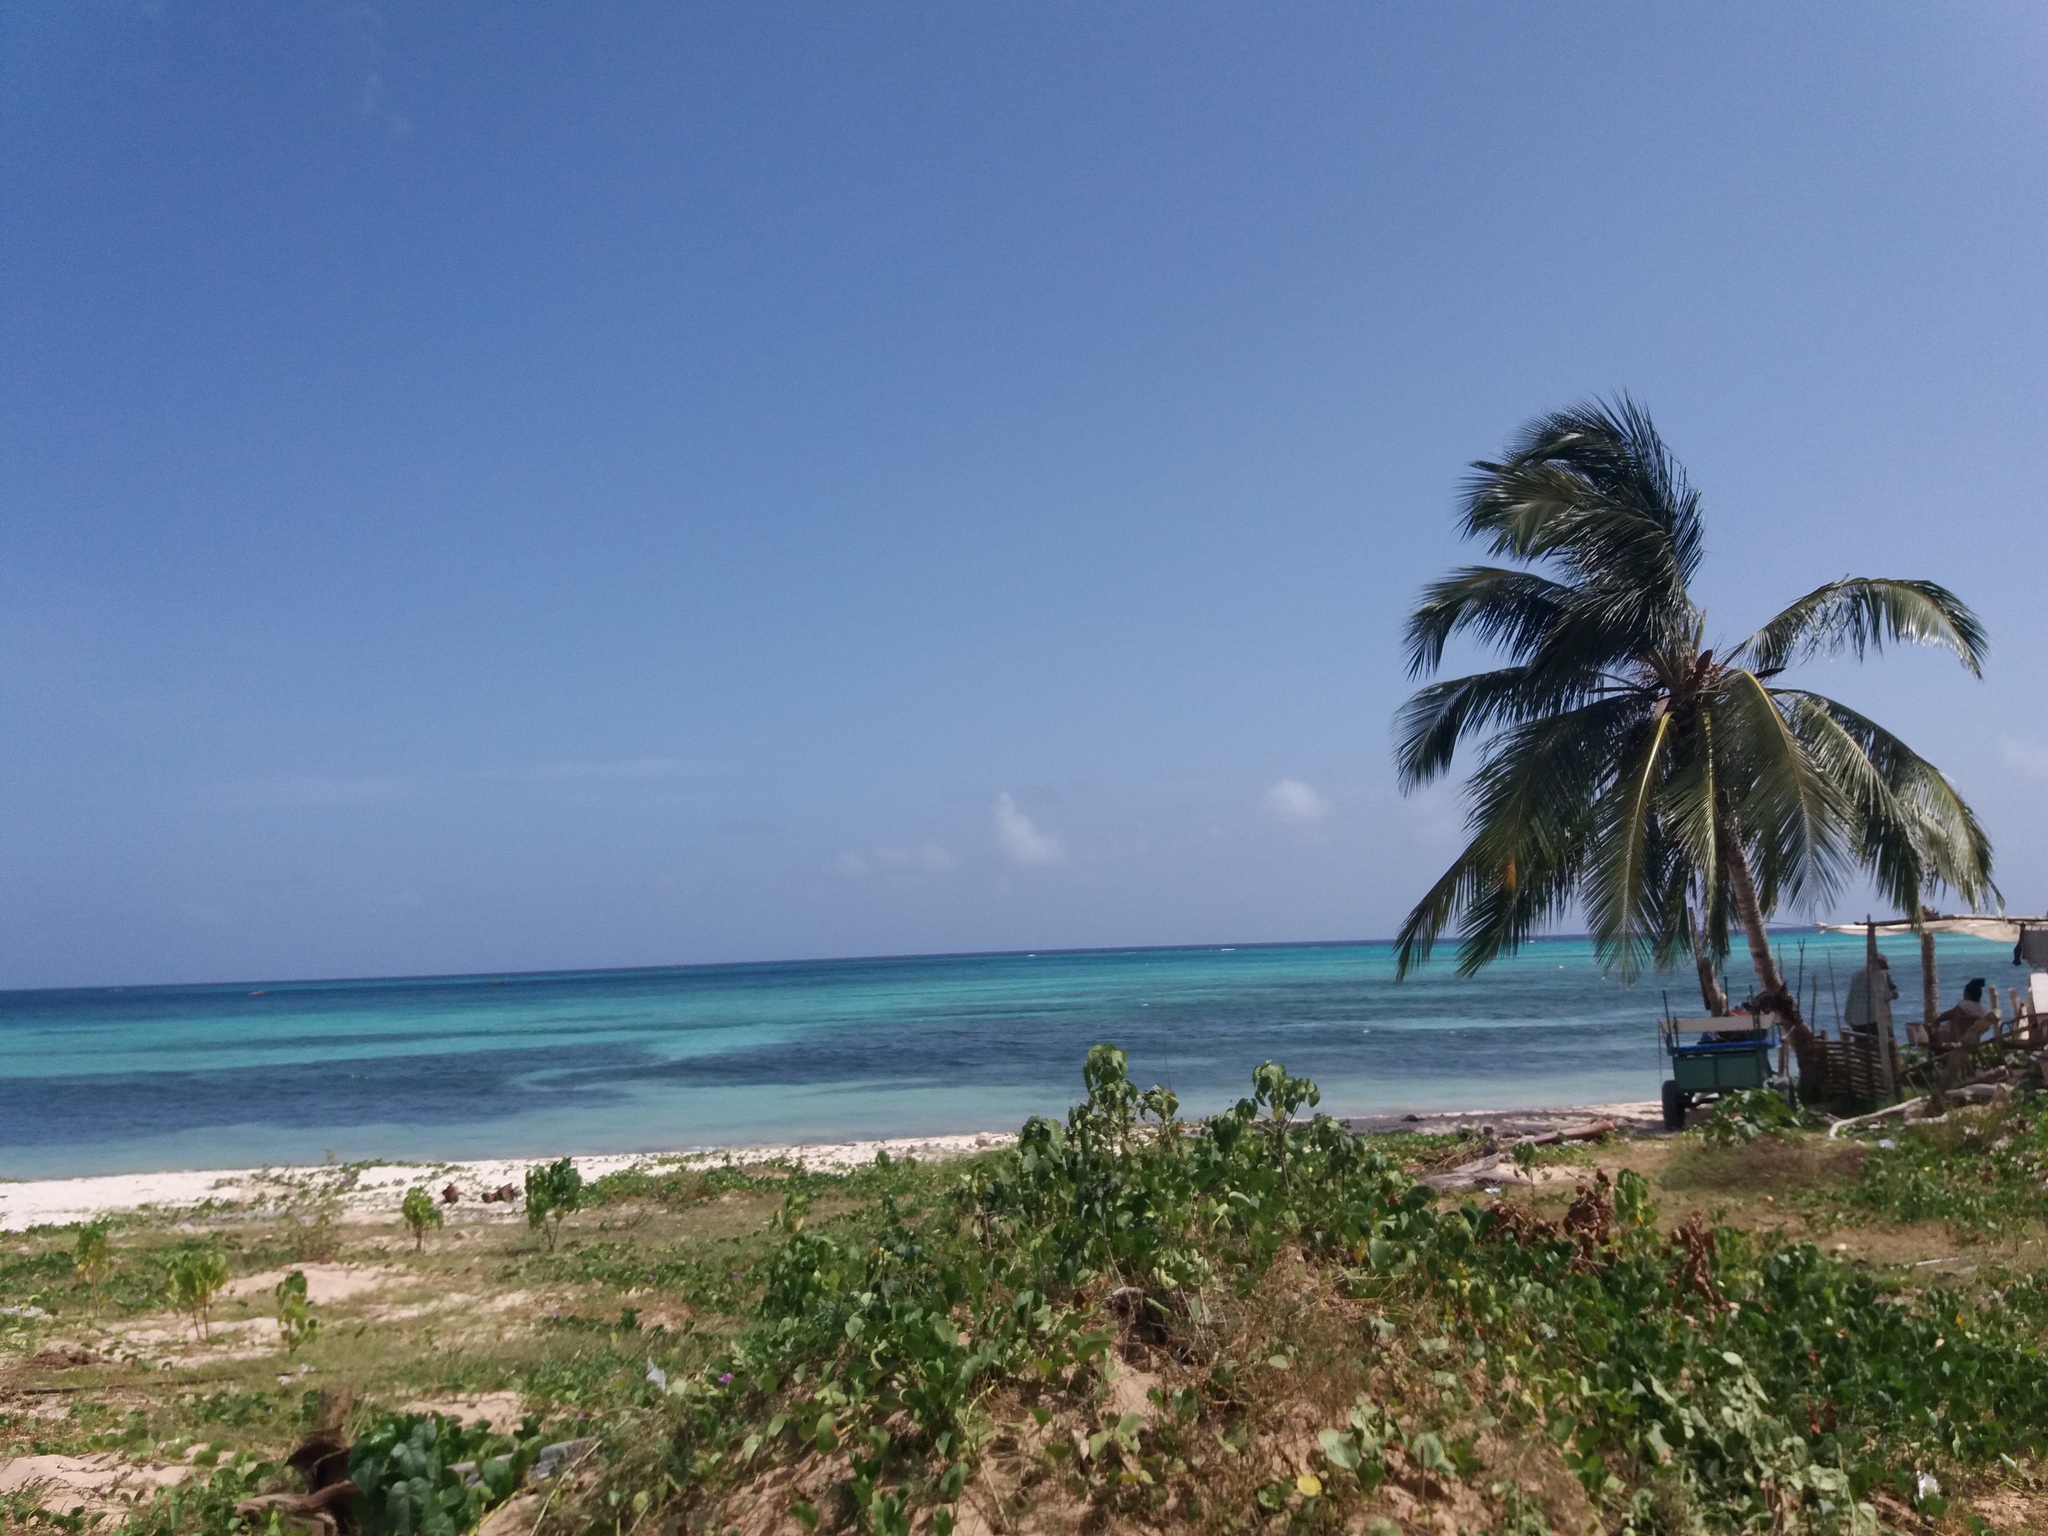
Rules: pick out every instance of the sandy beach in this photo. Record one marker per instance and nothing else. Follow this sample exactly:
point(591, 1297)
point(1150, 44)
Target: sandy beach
point(359, 1189)
point(363, 1189)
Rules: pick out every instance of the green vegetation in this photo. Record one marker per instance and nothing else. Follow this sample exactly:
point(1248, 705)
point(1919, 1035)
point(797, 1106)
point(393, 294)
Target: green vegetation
point(1983, 1174)
point(296, 1325)
point(196, 1278)
point(91, 1258)
point(1738, 1382)
point(1126, 1321)
point(553, 1192)
point(426, 1475)
point(419, 1213)
point(1748, 1114)
point(1670, 793)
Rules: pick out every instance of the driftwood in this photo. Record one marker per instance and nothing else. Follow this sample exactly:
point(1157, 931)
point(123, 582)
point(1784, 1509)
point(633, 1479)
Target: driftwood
point(322, 1457)
point(1590, 1132)
point(327, 1505)
point(326, 1513)
point(1498, 1167)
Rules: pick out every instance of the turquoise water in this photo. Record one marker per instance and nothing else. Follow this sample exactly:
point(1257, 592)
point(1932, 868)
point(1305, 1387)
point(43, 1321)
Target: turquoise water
point(139, 1078)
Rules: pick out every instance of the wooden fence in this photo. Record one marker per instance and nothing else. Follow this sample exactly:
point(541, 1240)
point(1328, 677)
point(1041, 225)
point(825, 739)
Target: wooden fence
point(1870, 1068)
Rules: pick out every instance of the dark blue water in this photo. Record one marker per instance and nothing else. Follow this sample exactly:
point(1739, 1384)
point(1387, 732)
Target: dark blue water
point(136, 1078)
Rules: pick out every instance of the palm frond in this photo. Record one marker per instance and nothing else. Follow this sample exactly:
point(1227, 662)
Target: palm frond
point(1917, 832)
point(1888, 832)
point(1438, 717)
point(1859, 614)
point(1689, 805)
point(1509, 608)
point(1594, 488)
point(1623, 901)
point(1531, 805)
point(1794, 820)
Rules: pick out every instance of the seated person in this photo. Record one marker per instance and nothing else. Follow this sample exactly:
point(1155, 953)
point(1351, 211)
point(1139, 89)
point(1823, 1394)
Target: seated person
point(1743, 1026)
point(1962, 1024)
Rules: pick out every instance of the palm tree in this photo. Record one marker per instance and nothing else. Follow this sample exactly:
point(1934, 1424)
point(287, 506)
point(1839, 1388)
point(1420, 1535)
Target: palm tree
point(1667, 789)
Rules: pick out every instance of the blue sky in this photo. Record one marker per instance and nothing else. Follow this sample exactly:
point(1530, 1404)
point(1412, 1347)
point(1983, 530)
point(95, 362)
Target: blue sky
point(518, 486)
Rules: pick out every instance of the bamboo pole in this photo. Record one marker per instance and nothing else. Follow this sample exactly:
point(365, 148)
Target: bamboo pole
point(1930, 987)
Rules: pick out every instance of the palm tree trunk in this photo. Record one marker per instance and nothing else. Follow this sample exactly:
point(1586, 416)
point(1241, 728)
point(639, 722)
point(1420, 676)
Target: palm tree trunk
point(1770, 980)
point(1712, 993)
point(1930, 983)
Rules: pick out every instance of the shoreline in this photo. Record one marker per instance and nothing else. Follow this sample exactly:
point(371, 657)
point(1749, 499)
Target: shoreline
point(360, 1190)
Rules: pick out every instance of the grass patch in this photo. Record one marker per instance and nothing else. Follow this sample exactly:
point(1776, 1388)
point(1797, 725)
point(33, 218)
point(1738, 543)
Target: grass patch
point(1983, 1172)
point(1772, 1163)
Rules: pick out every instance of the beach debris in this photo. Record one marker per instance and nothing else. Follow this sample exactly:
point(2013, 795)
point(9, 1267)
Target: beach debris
point(1496, 1167)
point(658, 1376)
point(322, 1457)
point(560, 1457)
point(32, 1314)
point(1983, 1093)
point(1494, 1170)
point(1907, 1108)
point(64, 1357)
point(1591, 1131)
point(327, 1506)
point(325, 1513)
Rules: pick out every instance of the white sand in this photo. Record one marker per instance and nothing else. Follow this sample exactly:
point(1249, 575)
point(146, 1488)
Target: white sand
point(376, 1189)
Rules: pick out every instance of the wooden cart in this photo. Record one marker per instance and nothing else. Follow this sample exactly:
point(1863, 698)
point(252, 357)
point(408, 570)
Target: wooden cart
point(1723, 1055)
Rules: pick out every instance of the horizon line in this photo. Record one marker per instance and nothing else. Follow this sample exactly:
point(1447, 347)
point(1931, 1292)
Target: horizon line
point(265, 983)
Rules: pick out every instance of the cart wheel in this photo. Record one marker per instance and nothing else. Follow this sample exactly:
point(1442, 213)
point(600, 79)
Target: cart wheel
point(1675, 1102)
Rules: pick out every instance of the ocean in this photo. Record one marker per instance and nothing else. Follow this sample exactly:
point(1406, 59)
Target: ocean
point(130, 1079)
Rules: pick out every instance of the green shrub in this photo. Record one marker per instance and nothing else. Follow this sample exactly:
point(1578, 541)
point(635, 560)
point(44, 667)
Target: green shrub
point(1700, 1373)
point(420, 1213)
point(1980, 1172)
point(1747, 1114)
point(92, 1258)
point(404, 1469)
point(296, 1324)
point(553, 1191)
point(196, 1276)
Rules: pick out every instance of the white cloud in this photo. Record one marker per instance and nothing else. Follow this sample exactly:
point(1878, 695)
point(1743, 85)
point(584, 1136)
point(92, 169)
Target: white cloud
point(1292, 801)
point(1020, 837)
point(2029, 757)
